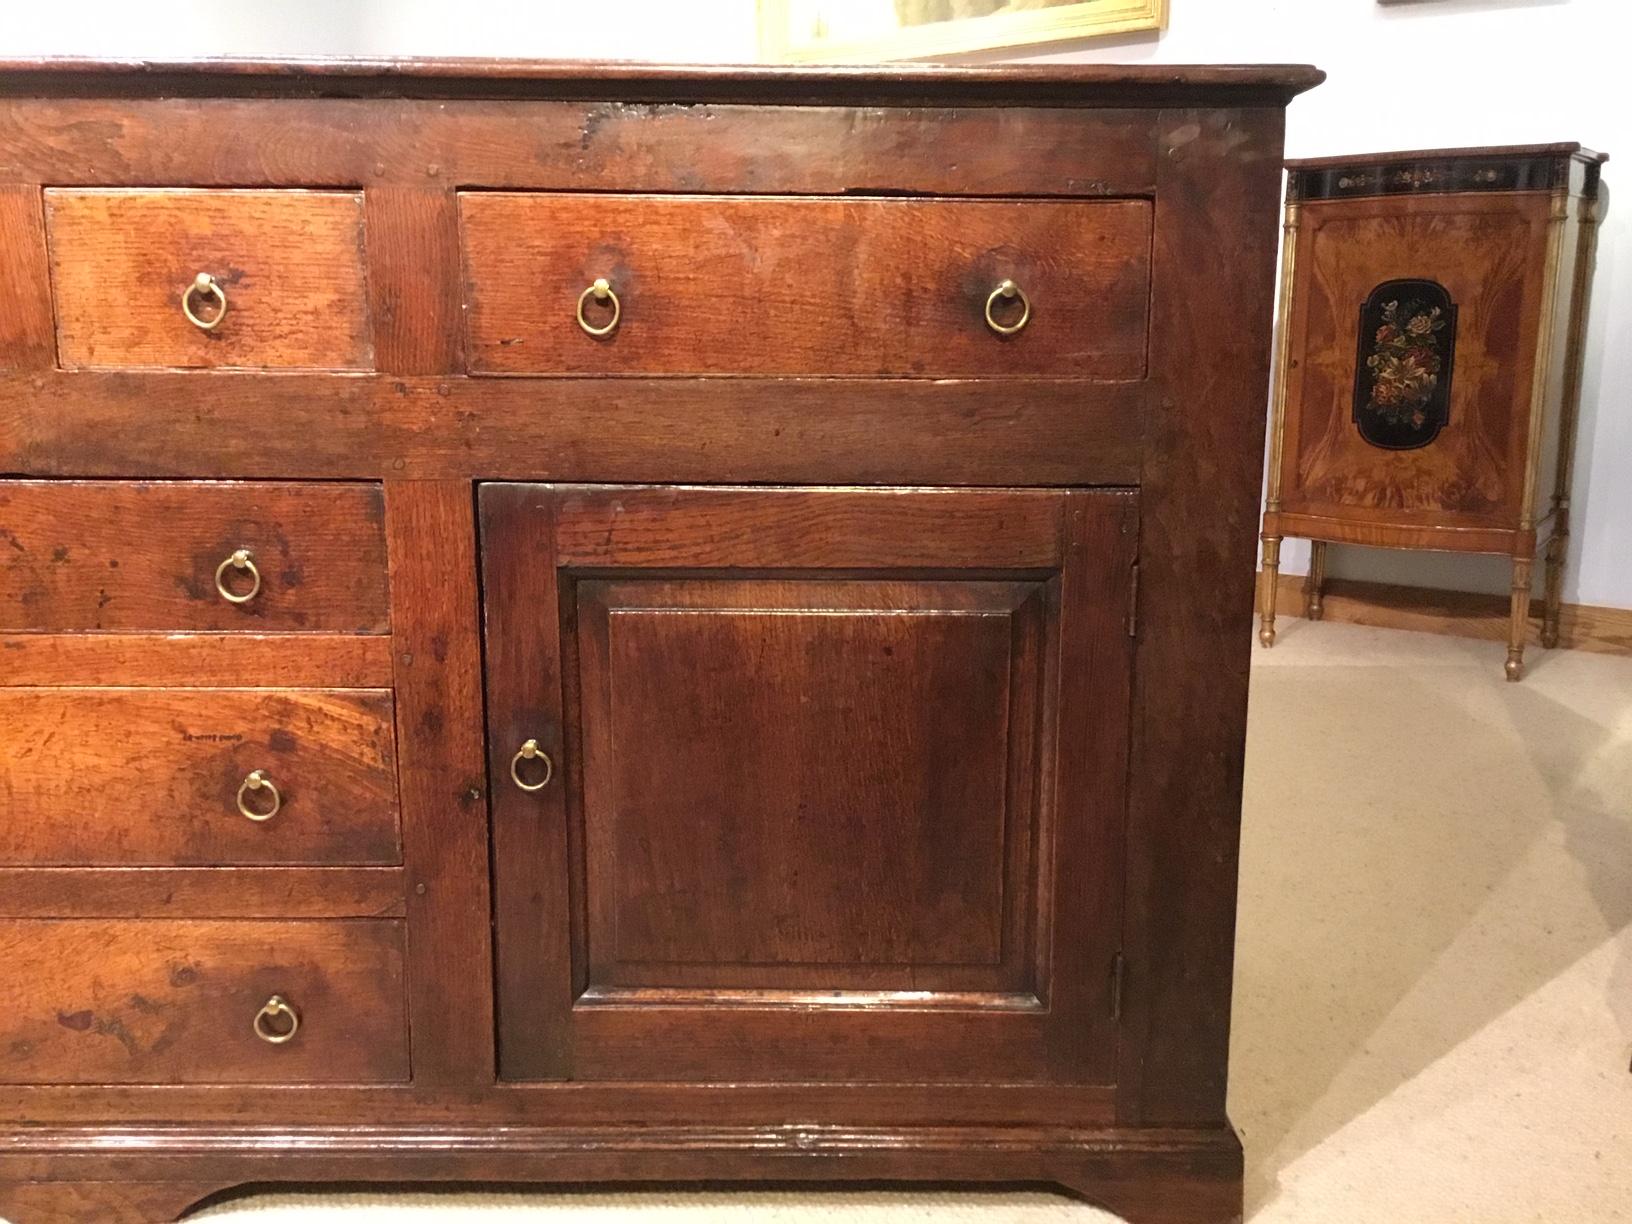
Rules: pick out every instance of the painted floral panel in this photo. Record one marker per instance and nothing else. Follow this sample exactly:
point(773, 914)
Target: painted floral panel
point(1402, 383)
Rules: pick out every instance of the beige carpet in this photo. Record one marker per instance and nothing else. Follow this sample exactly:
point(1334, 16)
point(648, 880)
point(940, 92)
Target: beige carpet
point(1434, 986)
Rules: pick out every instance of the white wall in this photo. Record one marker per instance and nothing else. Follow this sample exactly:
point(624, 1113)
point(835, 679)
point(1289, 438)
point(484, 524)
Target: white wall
point(1442, 73)
point(679, 31)
point(1406, 75)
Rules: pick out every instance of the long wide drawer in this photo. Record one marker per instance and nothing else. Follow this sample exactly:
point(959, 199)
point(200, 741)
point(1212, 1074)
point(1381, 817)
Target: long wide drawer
point(180, 777)
point(588, 284)
point(130, 1001)
point(192, 555)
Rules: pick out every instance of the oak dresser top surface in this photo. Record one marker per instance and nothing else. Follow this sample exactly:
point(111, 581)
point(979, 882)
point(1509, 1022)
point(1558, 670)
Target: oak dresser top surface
point(1037, 84)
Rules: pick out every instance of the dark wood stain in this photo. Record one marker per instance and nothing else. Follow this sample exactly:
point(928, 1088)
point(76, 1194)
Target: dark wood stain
point(741, 286)
point(137, 1022)
point(170, 537)
point(182, 755)
point(866, 854)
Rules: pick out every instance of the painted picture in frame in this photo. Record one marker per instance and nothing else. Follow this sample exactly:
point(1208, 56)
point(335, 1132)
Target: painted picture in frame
point(867, 31)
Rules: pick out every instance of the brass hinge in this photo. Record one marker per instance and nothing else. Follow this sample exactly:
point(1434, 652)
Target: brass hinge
point(1133, 600)
point(1119, 972)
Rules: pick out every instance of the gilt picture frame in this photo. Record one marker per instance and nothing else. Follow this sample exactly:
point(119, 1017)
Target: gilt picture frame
point(870, 31)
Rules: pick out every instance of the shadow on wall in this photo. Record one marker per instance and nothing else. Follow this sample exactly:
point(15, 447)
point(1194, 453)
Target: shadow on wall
point(1397, 891)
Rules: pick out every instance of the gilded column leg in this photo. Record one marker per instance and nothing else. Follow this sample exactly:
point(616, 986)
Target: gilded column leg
point(1518, 623)
point(1554, 591)
point(1314, 585)
point(1266, 593)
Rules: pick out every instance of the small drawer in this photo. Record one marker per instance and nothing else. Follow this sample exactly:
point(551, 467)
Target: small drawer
point(591, 284)
point(165, 555)
point(285, 282)
point(134, 1001)
point(133, 777)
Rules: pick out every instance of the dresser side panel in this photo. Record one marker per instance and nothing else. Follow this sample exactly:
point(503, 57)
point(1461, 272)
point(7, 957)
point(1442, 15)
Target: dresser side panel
point(1218, 191)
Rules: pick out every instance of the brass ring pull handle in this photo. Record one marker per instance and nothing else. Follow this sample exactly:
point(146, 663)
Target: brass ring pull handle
point(276, 1008)
point(530, 751)
point(601, 291)
point(1006, 291)
point(204, 285)
point(258, 781)
point(241, 559)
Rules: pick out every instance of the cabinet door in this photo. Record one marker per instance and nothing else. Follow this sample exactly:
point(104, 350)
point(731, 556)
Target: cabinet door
point(834, 781)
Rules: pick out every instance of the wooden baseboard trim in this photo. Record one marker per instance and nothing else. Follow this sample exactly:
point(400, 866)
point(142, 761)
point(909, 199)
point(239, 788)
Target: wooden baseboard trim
point(1459, 613)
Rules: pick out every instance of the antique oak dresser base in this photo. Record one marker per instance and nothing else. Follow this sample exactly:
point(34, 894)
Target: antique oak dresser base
point(570, 624)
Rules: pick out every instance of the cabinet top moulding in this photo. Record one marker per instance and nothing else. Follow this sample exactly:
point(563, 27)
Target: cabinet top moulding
point(1037, 85)
point(1509, 168)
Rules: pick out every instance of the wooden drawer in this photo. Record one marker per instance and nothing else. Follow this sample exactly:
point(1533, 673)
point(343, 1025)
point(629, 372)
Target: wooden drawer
point(756, 285)
point(289, 263)
point(131, 777)
point(130, 1001)
point(123, 556)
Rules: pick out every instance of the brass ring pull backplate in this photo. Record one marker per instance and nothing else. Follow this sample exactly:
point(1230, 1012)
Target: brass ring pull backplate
point(601, 291)
point(530, 751)
point(276, 1008)
point(204, 285)
point(1007, 291)
point(256, 782)
point(241, 559)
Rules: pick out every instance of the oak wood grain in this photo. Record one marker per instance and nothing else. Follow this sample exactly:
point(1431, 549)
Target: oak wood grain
point(776, 528)
point(1154, 1177)
point(570, 145)
point(785, 752)
point(1043, 1084)
point(201, 892)
point(1078, 85)
point(530, 663)
point(290, 264)
point(125, 776)
point(123, 556)
point(866, 288)
point(413, 281)
point(197, 660)
point(577, 1104)
point(1008, 432)
point(432, 532)
point(876, 832)
point(105, 1202)
point(1198, 507)
point(27, 333)
point(155, 1001)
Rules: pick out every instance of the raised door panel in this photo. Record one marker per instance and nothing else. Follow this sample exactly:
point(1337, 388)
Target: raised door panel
point(836, 781)
point(856, 784)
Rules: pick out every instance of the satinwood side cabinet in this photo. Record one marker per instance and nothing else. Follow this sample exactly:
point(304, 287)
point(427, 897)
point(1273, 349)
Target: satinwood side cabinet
point(1434, 311)
point(568, 623)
